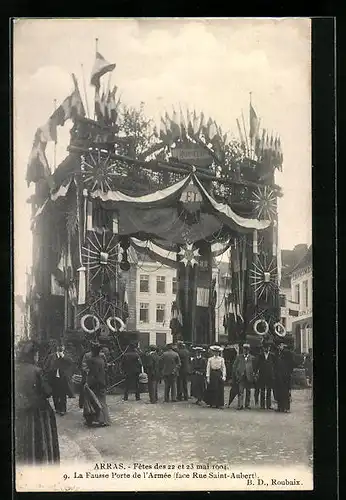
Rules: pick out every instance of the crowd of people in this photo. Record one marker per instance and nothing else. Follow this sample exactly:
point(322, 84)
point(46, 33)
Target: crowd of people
point(187, 372)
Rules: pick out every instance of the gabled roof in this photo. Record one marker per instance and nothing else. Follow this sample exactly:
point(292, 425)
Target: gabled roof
point(305, 261)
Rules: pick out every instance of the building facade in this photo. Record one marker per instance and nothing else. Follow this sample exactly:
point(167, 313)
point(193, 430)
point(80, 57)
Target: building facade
point(301, 290)
point(151, 290)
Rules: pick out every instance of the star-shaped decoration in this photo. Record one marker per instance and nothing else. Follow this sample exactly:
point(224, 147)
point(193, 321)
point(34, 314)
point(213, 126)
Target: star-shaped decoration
point(96, 168)
point(265, 204)
point(189, 255)
point(263, 277)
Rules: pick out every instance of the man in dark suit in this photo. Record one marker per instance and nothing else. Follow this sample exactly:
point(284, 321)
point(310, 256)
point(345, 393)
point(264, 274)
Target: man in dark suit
point(243, 372)
point(58, 368)
point(152, 369)
point(265, 375)
point(170, 365)
point(132, 367)
point(184, 371)
point(283, 368)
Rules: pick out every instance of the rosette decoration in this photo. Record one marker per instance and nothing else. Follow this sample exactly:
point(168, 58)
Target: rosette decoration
point(265, 203)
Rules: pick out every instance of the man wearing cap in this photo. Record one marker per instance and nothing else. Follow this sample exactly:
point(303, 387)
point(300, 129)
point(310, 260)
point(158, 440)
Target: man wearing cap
point(169, 366)
point(184, 371)
point(216, 376)
point(243, 372)
point(283, 368)
point(152, 369)
point(198, 366)
point(265, 375)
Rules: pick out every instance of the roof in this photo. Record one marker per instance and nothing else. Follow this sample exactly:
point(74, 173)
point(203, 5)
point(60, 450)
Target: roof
point(291, 258)
point(305, 261)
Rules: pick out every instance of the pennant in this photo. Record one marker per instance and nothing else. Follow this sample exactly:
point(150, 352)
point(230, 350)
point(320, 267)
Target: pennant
point(212, 131)
point(183, 127)
point(189, 123)
point(175, 126)
point(240, 133)
point(201, 124)
point(196, 123)
point(70, 108)
point(163, 129)
point(101, 67)
point(253, 123)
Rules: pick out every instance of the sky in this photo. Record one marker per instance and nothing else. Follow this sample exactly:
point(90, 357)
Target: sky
point(208, 64)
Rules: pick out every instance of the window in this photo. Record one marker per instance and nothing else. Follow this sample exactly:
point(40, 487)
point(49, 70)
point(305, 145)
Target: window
point(282, 300)
point(306, 293)
point(297, 294)
point(144, 312)
point(283, 322)
point(161, 338)
point(160, 313)
point(174, 285)
point(160, 284)
point(144, 283)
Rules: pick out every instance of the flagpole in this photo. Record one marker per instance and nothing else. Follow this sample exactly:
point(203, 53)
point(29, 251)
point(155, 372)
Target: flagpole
point(96, 89)
point(250, 138)
point(85, 94)
point(246, 141)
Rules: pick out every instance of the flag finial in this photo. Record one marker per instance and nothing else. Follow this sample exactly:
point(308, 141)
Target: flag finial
point(96, 44)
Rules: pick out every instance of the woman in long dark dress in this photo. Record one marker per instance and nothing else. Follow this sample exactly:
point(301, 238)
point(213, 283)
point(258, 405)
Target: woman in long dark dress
point(96, 386)
point(36, 435)
point(198, 366)
point(216, 376)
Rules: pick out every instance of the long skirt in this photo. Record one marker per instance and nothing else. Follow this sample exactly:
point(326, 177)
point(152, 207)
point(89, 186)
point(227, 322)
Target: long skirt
point(197, 386)
point(36, 436)
point(99, 413)
point(214, 395)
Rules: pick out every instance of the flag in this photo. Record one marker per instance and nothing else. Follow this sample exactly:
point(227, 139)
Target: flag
point(253, 123)
point(163, 129)
point(101, 66)
point(196, 123)
point(240, 133)
point(183, 127)
point(212, 131)
point(70, 108)
point(175, 127)
point(38, 167)
point(206, 130)
point(189, 123)
point(201, 124)
point(113, 106)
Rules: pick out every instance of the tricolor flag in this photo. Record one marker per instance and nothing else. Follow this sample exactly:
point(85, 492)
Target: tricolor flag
point(101, 67)
point(253, 123)
point(70, 108)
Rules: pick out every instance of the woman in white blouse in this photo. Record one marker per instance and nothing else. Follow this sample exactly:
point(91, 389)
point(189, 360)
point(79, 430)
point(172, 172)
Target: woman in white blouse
point(216, 376)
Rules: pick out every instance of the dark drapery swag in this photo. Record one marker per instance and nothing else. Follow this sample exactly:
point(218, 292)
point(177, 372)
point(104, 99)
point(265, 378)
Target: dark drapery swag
point(36, 435)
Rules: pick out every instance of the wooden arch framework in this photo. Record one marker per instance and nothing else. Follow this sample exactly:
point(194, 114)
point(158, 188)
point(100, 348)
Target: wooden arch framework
point(170, 203)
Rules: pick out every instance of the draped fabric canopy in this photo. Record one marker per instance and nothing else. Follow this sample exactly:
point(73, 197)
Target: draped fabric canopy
point(164, 215)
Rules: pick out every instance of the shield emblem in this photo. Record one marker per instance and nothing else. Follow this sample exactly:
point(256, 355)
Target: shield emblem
point(191, 198)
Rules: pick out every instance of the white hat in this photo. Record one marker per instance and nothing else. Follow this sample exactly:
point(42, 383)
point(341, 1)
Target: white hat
point(216, 348)
point(246, 345)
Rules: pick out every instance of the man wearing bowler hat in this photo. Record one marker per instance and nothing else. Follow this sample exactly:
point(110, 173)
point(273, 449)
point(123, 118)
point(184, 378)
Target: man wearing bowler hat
point(283, 368)
point(243, 372)
point(265, 375)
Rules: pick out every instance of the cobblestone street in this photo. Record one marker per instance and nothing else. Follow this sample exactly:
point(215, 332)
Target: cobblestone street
point(183, 432)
